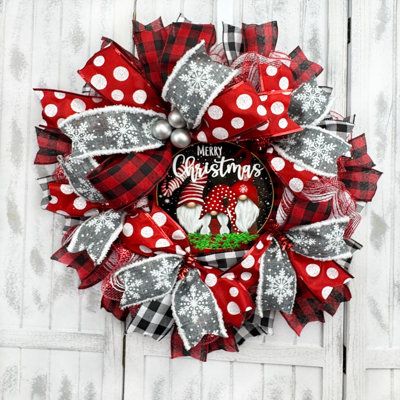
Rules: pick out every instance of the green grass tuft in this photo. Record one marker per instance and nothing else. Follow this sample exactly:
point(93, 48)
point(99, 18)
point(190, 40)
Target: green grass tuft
point(220, 241)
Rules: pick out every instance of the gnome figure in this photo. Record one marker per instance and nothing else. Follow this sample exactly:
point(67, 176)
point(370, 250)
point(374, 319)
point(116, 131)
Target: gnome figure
point(190, 201)
point(220, 202)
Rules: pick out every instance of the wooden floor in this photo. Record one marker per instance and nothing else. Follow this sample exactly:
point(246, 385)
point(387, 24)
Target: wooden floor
point(55, 343)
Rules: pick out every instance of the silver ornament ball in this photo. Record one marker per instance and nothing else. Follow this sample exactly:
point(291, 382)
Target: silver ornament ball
point(176, 120)
point(161, 129)
point(180, 138)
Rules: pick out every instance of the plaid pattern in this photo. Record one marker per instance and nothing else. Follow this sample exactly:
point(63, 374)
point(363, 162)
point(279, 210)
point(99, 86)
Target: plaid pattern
point(151, 26)
point(354, 246)
point(232, 39)
point(255, 326)
point(112, 306)
point(124, 179)
point(44, 185)
point(182, 37)
point(153, 318)
point(182, 18)
point(222, 261)
point(52, 143)
point(343, 128)
point(357, 172)
point(260, 39)
point(70, 222)
point(302, 68)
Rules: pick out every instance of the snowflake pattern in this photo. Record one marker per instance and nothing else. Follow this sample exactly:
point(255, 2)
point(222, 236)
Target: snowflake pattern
point(280, 286)
point(334, 239)
point(199, 80)
point(195, 304)
point(162, 274)
point(108, 220)
point(305, 241)
point(79, 135)
point(122, 130)
point(133, 286)
point(87, 190)
point(312, 98)
point(318, 150)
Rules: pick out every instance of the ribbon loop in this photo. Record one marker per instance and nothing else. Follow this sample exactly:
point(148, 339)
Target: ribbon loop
point(111, 130)
point(194, 83)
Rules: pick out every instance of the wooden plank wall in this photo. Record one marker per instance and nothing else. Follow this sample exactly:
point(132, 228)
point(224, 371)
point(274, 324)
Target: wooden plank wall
point(56, 344)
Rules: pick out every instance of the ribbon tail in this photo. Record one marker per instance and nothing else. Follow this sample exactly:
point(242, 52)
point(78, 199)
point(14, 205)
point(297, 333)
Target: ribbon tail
point(277, 285)
point(196, 311)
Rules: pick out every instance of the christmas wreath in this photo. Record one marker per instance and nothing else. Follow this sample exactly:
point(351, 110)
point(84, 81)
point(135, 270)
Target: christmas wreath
point(205, 186)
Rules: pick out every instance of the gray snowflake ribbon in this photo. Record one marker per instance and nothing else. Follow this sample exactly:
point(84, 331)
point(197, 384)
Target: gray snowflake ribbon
point(194, 307)
point(111, 130)
point(277, 284)
point(97, 234)
point(322, 240)
point(310, 103)
point(194, 83)
point(76, 170)
point(314, 149)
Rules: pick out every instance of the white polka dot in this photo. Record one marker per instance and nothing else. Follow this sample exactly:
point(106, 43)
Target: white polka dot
point(298, 167)
point(237, 122)
point(263, 97)
point(270, 150)
point(296, 185)
point(278, 163)
point(315, 178)
point(220, 133)
point(66, 189)
point(277, 108)
point(98, 61)
point(97, 99)
point(159, 218)
point(283, 123)
point(261, 110)
point(147, 232)
point(50, 110)
point(91, 213)
point(284, 83)
point(53, 200)
point(229, 275)
point(201, 137)
point(80, 203)
point(332, 273)
point(259, 245)
point(233, 308)
point(233, 291)
point(326, 291)
point(61, 212)
point(127, 230)
point(139, 96)
point(145, 249)
point(98, 81)
point(210, 280)
point(271, 70)
point(313, 270)
point(263, 127)
point(245, 276)
point(40, 94)
point(162, 243)
point(249, 308)
point(178, 235)
point(59, 95)
point(78, 105)
point(117, 95)
point(179, 250)
point(248, 262)
point(121, 74)
point(60, 121)
point(215, 112)
point(244, 101)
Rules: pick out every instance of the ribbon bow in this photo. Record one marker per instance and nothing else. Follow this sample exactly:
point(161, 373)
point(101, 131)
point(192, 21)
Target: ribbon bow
point(203, 301)
point(310, 257)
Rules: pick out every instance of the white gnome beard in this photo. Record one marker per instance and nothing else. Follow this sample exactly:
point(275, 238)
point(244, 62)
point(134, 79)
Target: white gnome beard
point(223, 221)
point(246, 214)
point(189, 217)
point(205, 222)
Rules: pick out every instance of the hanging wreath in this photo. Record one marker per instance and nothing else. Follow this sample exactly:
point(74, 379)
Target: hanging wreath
point(206, 186)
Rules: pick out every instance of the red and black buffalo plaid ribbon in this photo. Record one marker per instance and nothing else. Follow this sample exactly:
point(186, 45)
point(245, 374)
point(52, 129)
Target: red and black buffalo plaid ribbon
point(123, 179)
point(308, 309)
point(151, 26)
point(261, 38)
point(112, 306)
point(182, 36)
point(303, 69)
point(357, 172)
point(52, 143)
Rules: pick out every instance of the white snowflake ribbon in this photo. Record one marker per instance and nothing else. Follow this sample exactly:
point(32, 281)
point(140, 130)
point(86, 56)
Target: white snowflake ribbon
point(97, 234)
point(111, 130)
point(322, 240)
point(314, 149)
